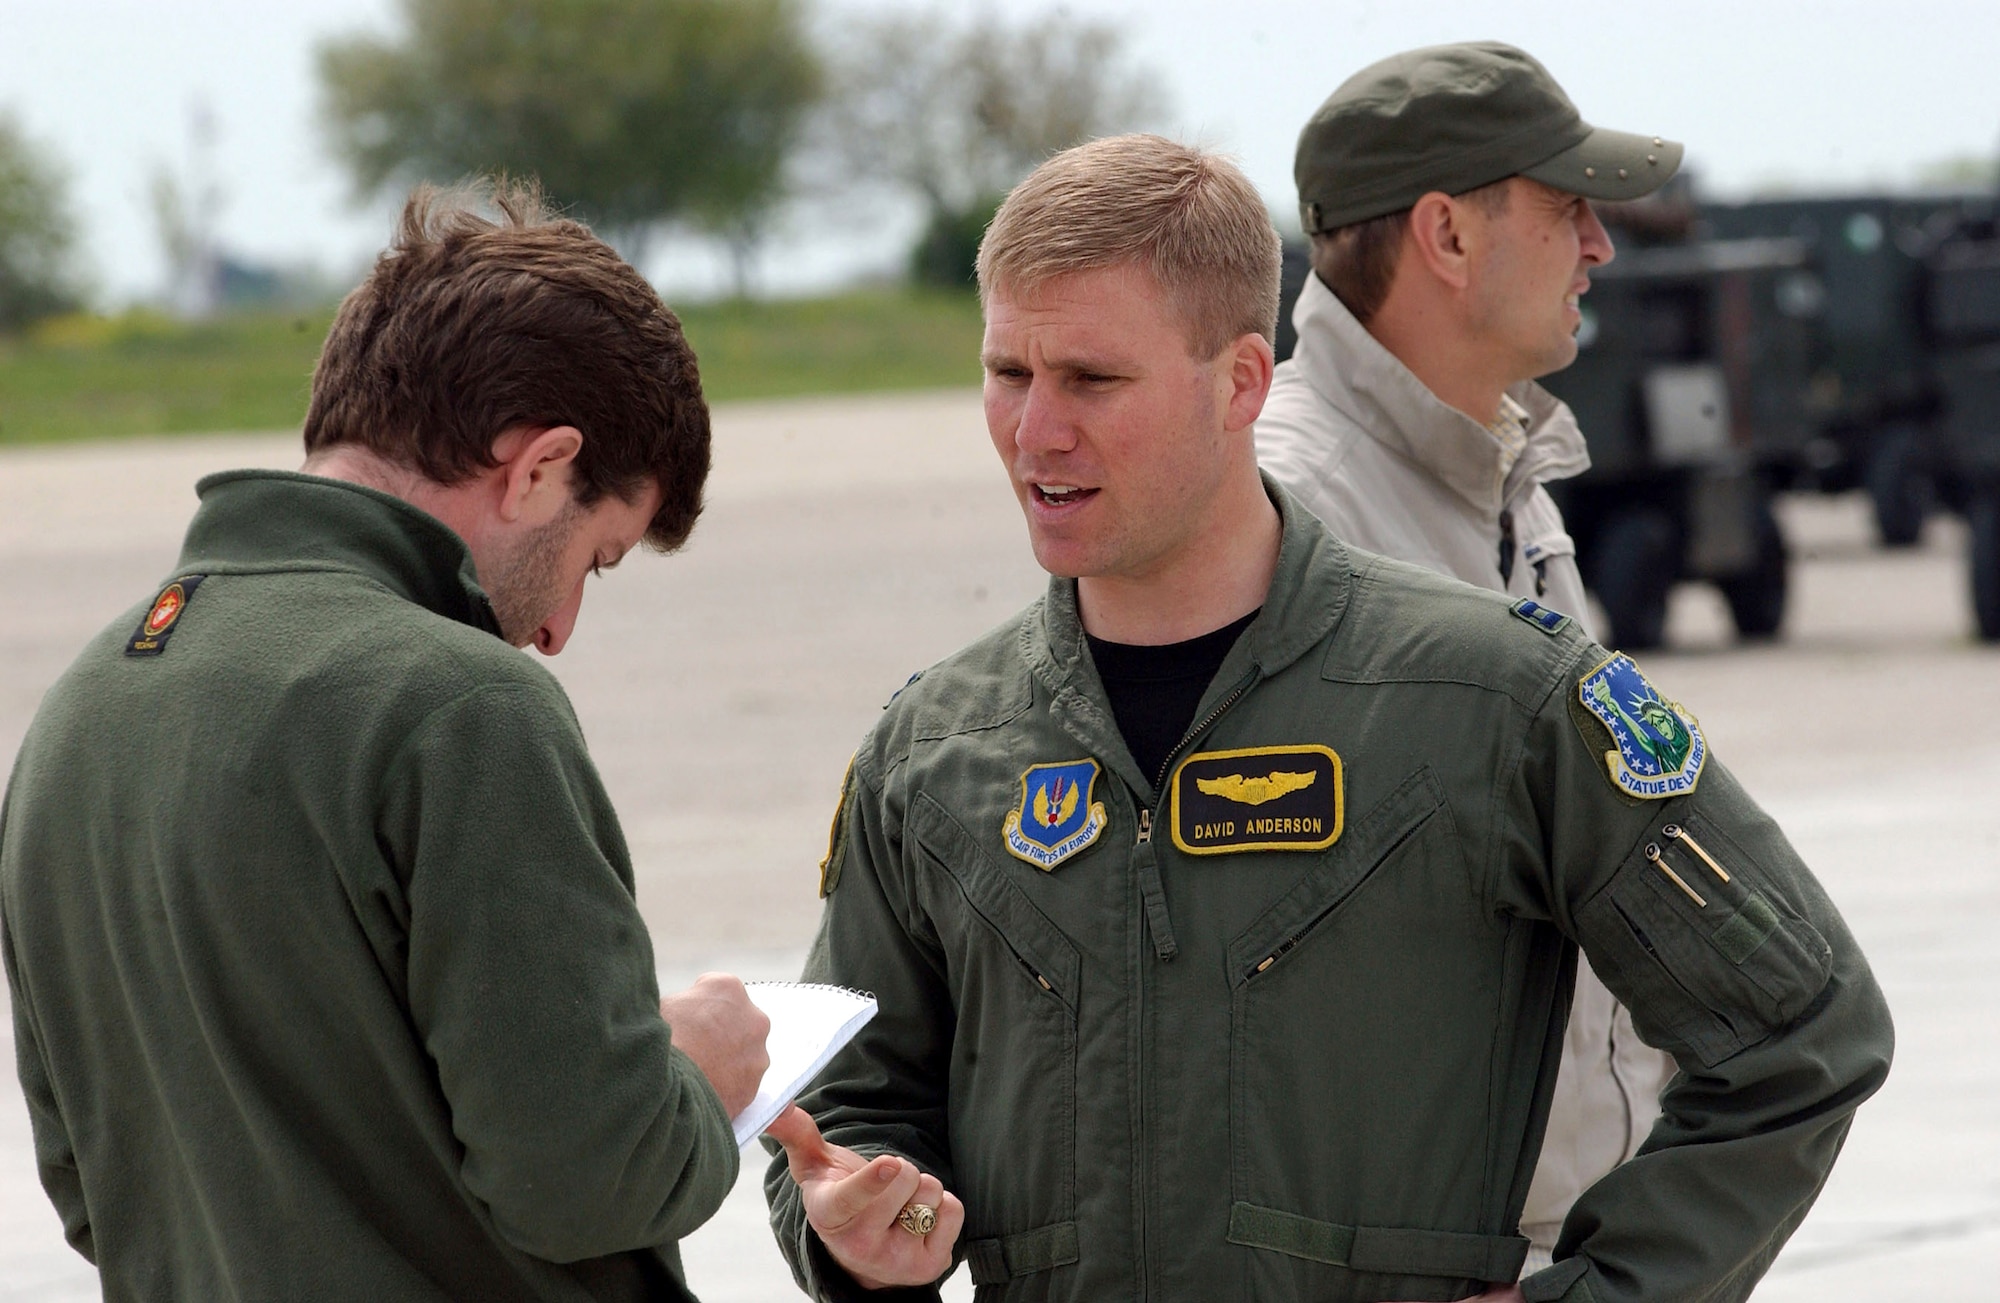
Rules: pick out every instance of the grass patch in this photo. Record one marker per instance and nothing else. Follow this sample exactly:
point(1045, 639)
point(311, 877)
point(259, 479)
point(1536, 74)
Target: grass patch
point(140, 373)
point(853, 343)
point(85, 377)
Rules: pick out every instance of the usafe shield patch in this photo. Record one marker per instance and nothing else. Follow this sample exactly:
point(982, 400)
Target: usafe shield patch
point(1058, 815)
point(1549, 622)
point(163, 616)
point(1657, 748)
point(1285, 798)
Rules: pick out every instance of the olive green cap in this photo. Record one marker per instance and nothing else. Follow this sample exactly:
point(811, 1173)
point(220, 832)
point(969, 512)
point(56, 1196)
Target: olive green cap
point(1454, 118)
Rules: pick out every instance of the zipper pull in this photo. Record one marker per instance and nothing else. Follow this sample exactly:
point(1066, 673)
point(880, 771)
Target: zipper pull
point(1271, 958)
point(1145, 826)
point(1153, 894)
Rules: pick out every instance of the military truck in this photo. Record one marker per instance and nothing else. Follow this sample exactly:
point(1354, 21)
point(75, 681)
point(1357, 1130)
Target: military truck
point(1733, 351)
point(1906, 386)
point(1691, 383)
point(1962, 313)
point(1875, 393)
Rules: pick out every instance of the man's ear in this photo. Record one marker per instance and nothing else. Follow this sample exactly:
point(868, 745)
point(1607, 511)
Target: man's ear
point(1247, 365)
point(1437, 234)
point(535, 468)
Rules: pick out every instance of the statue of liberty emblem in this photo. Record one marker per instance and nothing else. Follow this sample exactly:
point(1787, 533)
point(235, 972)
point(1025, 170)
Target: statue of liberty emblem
point(1658, 748)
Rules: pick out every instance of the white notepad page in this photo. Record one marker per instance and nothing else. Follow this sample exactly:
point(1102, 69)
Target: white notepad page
point(809, 1024)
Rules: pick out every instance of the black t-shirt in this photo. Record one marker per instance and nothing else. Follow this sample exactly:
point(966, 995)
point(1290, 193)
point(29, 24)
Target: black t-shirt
point(1154, 690)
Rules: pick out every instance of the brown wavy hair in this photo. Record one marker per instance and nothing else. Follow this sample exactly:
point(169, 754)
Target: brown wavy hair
point(489, 312)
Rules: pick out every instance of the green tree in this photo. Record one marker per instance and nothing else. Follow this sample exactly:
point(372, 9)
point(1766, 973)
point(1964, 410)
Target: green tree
point(640, 113)
point(956, 112)
point(37, 232)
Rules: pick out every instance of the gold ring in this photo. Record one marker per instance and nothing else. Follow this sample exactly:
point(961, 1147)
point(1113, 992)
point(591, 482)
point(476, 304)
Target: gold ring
point(919, 1219)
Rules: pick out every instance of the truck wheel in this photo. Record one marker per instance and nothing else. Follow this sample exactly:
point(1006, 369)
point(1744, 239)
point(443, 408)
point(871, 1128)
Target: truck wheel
point(1898, 486)
point(1757, 596)
point(1983, 515)
point(1635, 564)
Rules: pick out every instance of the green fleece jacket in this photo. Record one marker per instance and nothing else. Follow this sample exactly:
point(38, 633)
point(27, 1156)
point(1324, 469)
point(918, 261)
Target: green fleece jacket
point(328, 980)
point(1281, 1021)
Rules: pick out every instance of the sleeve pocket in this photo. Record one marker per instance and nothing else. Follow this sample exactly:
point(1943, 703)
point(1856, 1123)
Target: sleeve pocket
point(1707, 966)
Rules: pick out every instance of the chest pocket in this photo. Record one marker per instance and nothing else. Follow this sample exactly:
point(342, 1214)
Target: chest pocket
point(1352, 1171)
point(1707, 965)
point(1013, 979)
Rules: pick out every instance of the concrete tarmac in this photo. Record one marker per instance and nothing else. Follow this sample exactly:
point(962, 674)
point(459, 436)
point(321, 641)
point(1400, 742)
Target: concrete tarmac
point(850, 543)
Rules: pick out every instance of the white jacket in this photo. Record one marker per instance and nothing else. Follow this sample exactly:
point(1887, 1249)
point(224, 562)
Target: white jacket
point(1392, 468)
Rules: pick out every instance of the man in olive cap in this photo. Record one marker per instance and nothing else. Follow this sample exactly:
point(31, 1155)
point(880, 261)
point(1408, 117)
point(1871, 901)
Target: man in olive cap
point(1447, 194)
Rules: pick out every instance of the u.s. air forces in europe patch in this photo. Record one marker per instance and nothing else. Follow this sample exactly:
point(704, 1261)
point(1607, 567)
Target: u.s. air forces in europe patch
point(1058, 815)
point(1283, 798)
point(1657, 748)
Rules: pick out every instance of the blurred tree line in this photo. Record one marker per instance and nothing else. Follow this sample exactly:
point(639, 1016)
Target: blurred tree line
point(955, 113)
point(653, 116)
point(37, 232)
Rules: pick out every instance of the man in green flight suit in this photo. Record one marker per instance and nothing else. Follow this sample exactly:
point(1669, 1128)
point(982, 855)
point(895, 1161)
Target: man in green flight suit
point(1223, 906)
point(327, 975)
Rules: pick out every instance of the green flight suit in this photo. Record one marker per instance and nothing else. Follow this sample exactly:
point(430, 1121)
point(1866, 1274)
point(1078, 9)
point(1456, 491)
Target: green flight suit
point(328, 980)
point(1317, 1064)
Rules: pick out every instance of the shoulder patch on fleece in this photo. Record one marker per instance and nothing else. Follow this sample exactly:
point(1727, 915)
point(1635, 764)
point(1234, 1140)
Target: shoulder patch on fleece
point(163, 617)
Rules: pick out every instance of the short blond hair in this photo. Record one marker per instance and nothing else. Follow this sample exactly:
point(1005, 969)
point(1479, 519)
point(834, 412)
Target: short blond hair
point(1192, 219)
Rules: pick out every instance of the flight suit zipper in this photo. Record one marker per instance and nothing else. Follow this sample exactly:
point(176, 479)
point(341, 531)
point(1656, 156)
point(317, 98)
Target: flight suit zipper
point(1160, 926)
point(1167, 765)
point(1152, 894)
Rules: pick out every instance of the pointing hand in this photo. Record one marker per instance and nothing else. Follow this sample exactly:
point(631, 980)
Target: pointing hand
point(852, 1202)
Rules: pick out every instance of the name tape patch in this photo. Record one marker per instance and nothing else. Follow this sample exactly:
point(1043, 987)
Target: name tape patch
point(163, 617)
point(1657, 748)
point(1059, 814)
point(1281, 798)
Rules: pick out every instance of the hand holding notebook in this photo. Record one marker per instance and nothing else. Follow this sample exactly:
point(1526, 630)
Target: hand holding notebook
point(809, 1025)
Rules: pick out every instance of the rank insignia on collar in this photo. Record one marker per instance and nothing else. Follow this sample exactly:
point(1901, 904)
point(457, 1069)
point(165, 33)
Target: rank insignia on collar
point(1657, 748)
point(1058, 816)
point(150, 639)
point(1549, 622)
point(1283, 798)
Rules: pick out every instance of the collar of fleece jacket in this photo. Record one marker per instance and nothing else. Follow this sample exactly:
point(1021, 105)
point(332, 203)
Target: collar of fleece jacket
point(284, 520)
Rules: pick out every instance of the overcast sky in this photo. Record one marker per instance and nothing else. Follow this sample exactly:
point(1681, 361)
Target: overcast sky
point(1822, 95)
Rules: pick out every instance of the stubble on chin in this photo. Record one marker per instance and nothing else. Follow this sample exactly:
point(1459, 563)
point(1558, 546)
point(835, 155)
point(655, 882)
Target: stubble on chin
point(527, 584)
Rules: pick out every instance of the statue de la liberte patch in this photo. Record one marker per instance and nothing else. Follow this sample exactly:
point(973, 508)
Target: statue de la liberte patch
point(1277, 798)
point(1059, 814)
point(1657, 748)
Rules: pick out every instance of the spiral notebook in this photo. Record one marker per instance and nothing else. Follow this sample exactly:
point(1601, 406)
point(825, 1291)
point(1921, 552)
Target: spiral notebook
point(809, 1024)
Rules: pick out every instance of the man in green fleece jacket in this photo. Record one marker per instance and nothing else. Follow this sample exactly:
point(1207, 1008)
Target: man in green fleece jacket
point(1223, 906)
point(327, 976)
